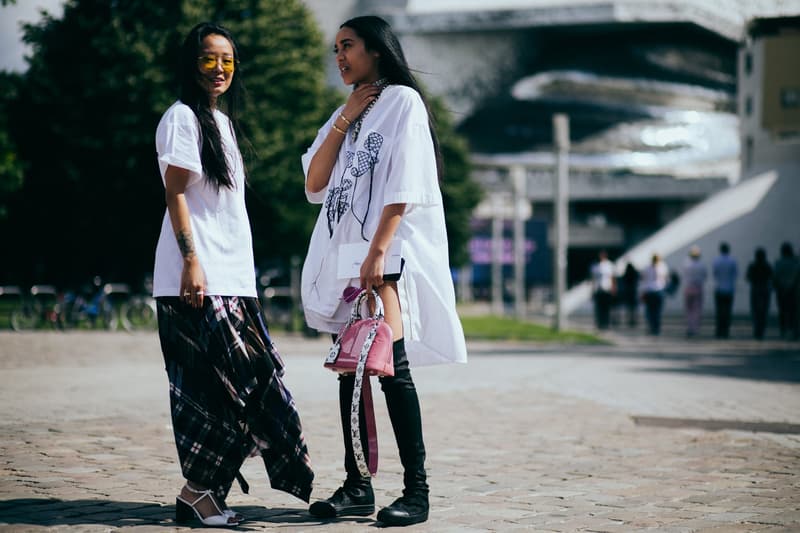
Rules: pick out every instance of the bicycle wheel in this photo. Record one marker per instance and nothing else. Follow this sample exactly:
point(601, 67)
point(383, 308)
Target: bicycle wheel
point(24, 318)
point(72, 316)
point(141, 314)
point(107, 317)
point(124, 321)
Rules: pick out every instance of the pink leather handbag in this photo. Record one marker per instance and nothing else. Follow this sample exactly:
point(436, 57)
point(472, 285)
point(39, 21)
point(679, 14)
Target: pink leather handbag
point(370, 336)
point(363, 347)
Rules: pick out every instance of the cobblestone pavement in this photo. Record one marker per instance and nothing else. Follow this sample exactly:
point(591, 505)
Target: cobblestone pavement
point(646, 434)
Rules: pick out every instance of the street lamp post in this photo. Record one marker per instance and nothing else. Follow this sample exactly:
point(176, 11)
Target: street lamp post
point(521, 213)
point(561, 205)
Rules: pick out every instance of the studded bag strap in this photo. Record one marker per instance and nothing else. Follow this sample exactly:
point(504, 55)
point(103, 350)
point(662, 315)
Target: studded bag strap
point(362, 384)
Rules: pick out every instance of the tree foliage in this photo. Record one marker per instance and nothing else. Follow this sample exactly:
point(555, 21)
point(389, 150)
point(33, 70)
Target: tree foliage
point(11, 166)
point(81, 125)
point(460, 193)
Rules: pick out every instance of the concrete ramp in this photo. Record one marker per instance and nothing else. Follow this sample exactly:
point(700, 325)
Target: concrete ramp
point(761, 211)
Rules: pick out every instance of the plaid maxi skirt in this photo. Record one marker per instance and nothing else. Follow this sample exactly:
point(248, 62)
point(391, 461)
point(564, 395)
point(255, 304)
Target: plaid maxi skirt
point(227, 398)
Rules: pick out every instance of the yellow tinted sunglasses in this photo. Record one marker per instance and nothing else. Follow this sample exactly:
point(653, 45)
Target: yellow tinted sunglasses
point(209, 63)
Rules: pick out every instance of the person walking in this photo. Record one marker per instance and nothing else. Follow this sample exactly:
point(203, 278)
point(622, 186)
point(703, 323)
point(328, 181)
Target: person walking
point(629, 292)
point(725, 271)
point(227, 398)
point(603, 289)
point(694, 275)
point(654, 280)
point(786, 278)
point(374, 167)
point(759, 275)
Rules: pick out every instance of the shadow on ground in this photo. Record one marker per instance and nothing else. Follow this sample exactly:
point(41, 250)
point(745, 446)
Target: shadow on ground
point(53, 512)
point(779, 363)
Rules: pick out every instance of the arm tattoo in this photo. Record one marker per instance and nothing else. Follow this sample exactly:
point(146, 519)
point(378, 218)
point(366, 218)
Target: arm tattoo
point(185, 243)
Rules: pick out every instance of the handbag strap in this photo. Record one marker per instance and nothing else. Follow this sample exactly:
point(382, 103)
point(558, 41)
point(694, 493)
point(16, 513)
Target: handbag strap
point(372, 431)
point(355, 314)
point(355, 430)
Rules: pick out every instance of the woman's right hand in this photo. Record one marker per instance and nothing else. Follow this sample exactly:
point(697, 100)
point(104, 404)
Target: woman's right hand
point(359, 99)
point(321, 166)
point(193, 282)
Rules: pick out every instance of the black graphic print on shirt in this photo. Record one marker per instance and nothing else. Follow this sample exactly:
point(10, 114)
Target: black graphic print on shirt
point(340, 197)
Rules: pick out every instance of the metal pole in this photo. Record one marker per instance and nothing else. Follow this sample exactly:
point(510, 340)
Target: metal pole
point(465, 283)
point(518, 177)
point(561, 207)
point(497, 255)
point(294, 289)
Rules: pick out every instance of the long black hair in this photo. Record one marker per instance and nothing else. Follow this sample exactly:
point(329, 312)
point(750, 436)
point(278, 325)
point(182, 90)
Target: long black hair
point(212, 155)
point(392, 65)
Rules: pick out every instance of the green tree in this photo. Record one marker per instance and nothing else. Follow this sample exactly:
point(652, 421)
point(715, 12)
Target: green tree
point(83, 123)
point(85, 117)
point(82, 120)
point(459, 191)
point(11, 167)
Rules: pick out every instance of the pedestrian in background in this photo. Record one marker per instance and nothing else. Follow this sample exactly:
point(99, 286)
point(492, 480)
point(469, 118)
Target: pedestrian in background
point(629, 292)
point(694, 277)
point(227, 399)
point(374, 167)
point(725, 271)
point(603, 289)
point(759, 275)
point(786, 278)
point(654, 282)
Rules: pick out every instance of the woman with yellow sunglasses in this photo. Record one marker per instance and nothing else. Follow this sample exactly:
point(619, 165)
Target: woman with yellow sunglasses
point(227, 396)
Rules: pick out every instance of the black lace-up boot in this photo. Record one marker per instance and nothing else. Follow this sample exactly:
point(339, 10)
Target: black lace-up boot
point(355, 496)
point(404, 412)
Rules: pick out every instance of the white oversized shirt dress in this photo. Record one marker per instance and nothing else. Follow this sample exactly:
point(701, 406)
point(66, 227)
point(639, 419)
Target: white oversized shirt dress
point(391, 162)
point(220, 226)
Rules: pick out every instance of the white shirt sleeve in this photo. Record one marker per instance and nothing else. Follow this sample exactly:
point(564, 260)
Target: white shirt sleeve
point(178, 141)
point(412, 177)
point(305, 159)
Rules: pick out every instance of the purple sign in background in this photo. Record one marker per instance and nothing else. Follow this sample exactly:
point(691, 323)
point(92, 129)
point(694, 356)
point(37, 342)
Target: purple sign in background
point(480, 250)
point(537, 254)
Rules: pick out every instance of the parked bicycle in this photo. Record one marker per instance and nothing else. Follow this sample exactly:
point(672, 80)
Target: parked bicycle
point(95, 305)
point(139, 311)
point(275, 293)
point(43, 308)
point(10, 300)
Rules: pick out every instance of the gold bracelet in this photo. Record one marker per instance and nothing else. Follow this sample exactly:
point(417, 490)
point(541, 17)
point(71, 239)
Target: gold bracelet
point(341, 116)
point(339, 130)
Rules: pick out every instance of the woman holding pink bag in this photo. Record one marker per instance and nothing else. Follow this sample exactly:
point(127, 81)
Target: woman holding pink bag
point(374, 168)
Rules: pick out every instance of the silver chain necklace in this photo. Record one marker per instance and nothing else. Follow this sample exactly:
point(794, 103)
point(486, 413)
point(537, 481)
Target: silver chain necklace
point(381, 83)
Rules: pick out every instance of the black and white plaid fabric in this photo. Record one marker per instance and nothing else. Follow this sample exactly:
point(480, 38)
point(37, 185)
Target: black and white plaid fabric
point(227, 397)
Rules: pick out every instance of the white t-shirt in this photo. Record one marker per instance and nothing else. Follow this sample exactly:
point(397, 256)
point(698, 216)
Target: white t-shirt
point(655, 277)
point(393, 161)
point(603, 276)
point(220, 227)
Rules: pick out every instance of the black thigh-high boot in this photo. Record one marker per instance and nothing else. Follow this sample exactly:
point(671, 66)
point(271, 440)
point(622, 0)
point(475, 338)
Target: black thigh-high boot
point(355, 496)
point(404, 412)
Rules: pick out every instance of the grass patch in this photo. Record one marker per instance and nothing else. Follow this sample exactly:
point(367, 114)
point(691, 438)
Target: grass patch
point(489, 327)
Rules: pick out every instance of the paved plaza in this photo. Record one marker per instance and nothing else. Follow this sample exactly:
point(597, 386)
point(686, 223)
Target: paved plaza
point(642, 434)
